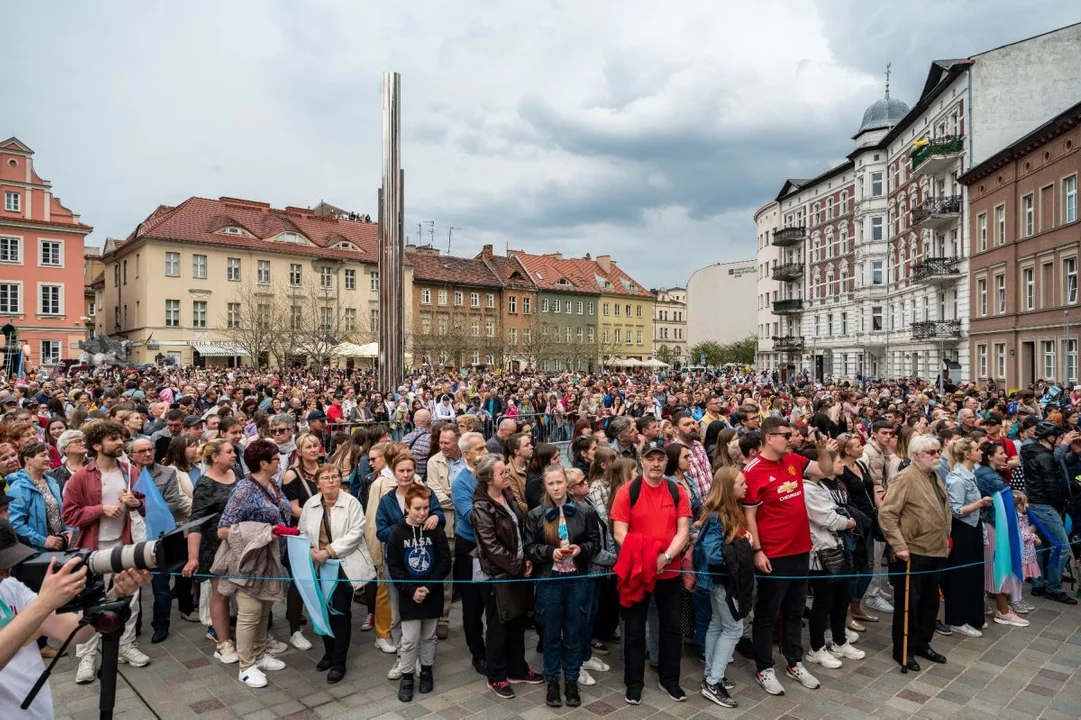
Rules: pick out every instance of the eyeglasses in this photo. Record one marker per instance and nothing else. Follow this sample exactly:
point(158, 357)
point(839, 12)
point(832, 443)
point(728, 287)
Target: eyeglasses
point(785, 435)
point(933, 453)
point(279, 431)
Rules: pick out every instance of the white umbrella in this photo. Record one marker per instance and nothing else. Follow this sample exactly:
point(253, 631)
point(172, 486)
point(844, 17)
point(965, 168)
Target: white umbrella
point(632, 363)
point(655, 363)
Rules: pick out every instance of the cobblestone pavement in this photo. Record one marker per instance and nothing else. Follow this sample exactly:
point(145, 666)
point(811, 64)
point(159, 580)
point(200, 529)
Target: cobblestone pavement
point(1010, 673)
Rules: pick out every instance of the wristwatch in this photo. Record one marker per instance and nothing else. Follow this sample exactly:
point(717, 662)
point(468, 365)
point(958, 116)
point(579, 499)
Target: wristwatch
point(667, 557)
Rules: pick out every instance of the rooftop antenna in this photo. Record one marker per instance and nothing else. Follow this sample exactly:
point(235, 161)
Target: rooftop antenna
point(421, 227)
point(450, 233)
point(888, 80)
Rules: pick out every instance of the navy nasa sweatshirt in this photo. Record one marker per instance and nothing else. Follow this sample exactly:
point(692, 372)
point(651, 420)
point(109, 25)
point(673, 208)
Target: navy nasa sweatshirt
point(418, 558)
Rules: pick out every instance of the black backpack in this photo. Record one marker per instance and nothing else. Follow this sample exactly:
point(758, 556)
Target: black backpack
point(635, 490)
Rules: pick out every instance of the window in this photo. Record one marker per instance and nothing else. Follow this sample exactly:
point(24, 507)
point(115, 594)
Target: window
point(172, 313)
point(844, 323)
point(544, 305)
point(578, 334)
point(125, 271)
point(617, 309)
point(876, 184)
point(876, 272)
point(11, 252)
point(373, 318)
point(1028, 281)
point(441, 297)
point(489, 301)
point(1000, 225)
point(458, 298)
point(350, 319)
point(474, 327)
point(592, 309)
point(296, 274)
point(512, 304)
point(232, 316)
point(374, 282)
point(10, 298)
point(829, 324)
point(474, 300)
point(626, 310)
point(296, 318)
point(981, 231)
point(350, 279)
point(1000, 294)
point(512, 336)
point(557, 306)
point(638, 338)
point(1069, 271)
point(489, 328)
point(326, 319)
point(1047, 351)
point(1069, 199)
point(198, 267)
point(172, 264)
point(876, 229)
point(568, 307)
point(262, 272)
point(580, 306)
point(876, 318)
point(981, 354)
point(326, 278)
point(591, 334)
point(91, 309)
point(1028, 214)
point(50, 352)
point(232, 269)
point(604, 309)
point(51, 300)
point(425, 297)
point(638, 311)
point(12, 201)
point(981, 295)
point(198, 314)
point(1070, 348)
point(52, 253)
point(527, 305)
point(1000, 360)
point(619, 336)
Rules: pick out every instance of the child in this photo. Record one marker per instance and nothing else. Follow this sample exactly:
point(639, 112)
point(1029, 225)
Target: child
point(601, 564)
point(417, 561)
point(1030, 566)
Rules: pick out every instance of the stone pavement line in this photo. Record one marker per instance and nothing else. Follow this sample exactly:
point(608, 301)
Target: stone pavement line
point(1010, 674)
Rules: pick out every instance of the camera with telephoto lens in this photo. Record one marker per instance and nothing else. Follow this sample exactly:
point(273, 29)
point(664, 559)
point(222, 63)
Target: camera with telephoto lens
point(168, 552)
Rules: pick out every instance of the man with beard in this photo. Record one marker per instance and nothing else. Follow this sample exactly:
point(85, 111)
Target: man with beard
point(687, 433)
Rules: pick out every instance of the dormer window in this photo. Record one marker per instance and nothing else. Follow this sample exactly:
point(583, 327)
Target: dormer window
point(563, 281)
point(290, 237)
point(607, 284)
point(232, 231)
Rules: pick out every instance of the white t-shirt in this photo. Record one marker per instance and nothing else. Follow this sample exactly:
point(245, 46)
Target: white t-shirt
point(19, 675)
point(112, 484)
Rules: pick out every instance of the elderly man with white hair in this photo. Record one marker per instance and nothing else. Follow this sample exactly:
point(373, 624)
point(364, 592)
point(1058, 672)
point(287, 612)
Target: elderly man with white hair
point(72, 448)
point(474, 595)
point(419, 441)
point(915, 517)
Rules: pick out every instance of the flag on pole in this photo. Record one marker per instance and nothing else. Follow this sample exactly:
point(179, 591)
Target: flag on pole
point(159, 519)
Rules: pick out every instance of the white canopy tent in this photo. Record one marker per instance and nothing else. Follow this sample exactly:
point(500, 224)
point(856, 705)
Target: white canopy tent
point(655, 363)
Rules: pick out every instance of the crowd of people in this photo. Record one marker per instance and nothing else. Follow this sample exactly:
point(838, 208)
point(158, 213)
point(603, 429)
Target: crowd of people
point(616, 513)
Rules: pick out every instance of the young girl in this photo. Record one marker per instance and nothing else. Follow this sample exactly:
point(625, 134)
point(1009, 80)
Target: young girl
point(417, 559)
point(601, 564)
point(1030, 566)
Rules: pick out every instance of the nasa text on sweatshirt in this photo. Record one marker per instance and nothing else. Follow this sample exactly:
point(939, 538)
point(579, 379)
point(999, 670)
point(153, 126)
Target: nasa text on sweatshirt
point(418, 558)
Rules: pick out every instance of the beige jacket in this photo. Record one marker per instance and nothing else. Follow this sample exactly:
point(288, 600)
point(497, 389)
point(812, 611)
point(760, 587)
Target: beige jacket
point(380, 487)
point(878, 464)
point(915, 514)
point(438, 479)
point(250, 551)
point(347, 525)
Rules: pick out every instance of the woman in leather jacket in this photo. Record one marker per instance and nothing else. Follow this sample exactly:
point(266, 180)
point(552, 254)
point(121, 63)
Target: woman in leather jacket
point(500, 556)
point(561, 537)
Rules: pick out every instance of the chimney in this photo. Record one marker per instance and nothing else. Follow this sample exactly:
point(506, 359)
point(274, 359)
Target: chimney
point(605, 261)
point(587, 256)
point(486, 253)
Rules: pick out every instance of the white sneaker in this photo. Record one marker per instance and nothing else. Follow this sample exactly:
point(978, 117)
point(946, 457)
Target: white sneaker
point(87, 670)
point(584, 678)
point(132, 655)
point(395, 672)
point(226, 653)
point(253, 677)
point(596, 664)
point(851, 636)
point(1011, 619)
point(1021, 607)
point(799, 673)
point(386, 646)
point(300, 642)
point(274, 646)
point(847, 651)
point(768, 680)
point(968, 630)
point(269, 662)
point(878, 604)
point(822, 657)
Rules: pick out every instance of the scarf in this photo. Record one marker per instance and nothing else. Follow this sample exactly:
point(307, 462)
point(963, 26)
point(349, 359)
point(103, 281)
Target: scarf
point(287, 448)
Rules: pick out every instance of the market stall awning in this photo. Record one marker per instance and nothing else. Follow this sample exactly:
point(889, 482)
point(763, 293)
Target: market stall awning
point(221, 349)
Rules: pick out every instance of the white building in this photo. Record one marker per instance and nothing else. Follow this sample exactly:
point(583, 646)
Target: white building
point(721, 302)
point(769, 286)
point(670, 325)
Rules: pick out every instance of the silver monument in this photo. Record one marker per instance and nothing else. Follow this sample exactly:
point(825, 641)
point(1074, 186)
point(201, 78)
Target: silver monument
point(391, 245)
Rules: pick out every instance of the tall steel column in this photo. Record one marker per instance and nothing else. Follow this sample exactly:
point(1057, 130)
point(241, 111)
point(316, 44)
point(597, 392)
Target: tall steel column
point(391, 246)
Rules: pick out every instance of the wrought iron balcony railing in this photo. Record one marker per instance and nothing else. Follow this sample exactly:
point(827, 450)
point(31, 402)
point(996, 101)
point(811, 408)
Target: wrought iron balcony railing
point(942, 269)
point(937, 211)
point(787, 307)
point(788, 343)
point(936, 329)
point(788, 272)
point(789, 236)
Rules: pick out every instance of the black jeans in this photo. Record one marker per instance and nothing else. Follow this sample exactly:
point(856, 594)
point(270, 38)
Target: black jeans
point(163, 600)
point(922, 603)
point(341, 625)
point(505, 643)
point(829, 610)
point(294, 606)
point(780, 594)
point(667, 594)
point(474, 596)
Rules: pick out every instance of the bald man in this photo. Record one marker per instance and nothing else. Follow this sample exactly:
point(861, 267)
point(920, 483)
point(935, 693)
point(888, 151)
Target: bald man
point(419, 441)
point(507, 427)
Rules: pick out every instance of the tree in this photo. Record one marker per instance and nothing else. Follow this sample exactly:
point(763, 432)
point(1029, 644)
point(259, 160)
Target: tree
point(712, 351)
point(741, 352)
point(664, 354)
point(254, 321)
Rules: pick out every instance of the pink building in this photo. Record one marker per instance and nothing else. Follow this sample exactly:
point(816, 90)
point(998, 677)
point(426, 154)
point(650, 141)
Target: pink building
point(41, 261)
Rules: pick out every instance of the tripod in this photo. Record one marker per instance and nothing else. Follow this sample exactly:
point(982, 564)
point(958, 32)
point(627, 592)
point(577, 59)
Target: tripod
point(108, 618)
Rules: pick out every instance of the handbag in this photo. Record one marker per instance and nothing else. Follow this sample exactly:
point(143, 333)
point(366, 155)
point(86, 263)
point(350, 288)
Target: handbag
point(686, 568)
point(833, 561)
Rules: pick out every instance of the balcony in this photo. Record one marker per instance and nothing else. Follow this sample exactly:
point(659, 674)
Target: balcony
point(788, 343)
point(937, 330)
point(936, 270)
point(789, 236)
point(788, 307)
point(937, 155)
point(937, 213)
point(788, 272)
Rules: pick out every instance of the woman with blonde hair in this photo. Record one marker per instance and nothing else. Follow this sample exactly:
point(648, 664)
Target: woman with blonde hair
point(722, 454)
point(298, 487)
point(383, 482)
point(962, 580)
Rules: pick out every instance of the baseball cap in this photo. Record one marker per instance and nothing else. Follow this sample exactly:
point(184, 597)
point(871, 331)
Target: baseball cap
point(10, 400)
point(316, 415)
point(192, 421)
point(653, 446)
point(993, 419)
point(12, 552)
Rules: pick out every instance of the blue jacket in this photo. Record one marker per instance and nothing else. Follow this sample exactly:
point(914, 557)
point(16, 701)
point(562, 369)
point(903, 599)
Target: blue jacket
point(708, 551)
point(388, 514)
point(990, 482)
point(27, 508)
point(461, 496)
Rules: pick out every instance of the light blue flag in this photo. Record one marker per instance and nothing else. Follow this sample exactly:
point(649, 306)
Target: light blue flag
point(159, 519)
point(328, 582)
point(304, 578)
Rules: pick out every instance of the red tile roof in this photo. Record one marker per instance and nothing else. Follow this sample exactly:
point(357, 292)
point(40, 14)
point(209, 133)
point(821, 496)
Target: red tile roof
point(589, 275)
point(511, 272)
point(544, 270)
point(451, 270)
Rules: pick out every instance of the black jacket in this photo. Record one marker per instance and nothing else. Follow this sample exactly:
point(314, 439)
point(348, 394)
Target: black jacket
point(582, 530)
point(497, 550)
point(1044, 482)
point(416, 558)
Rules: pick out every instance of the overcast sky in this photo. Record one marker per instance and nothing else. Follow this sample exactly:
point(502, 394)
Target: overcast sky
point(650, 131)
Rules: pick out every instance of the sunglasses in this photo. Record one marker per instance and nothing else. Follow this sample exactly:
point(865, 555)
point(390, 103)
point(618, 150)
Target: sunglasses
point(279, 431)
point(785, 435)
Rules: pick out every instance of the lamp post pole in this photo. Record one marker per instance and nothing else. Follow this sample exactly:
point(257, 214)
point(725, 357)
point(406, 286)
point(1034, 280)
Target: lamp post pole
point(391, 249)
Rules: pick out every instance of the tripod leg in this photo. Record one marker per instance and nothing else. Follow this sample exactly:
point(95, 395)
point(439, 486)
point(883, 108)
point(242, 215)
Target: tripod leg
point(110, 656)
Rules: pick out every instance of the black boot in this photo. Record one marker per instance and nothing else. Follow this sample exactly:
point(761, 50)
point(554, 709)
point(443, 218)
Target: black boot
point(405, 688)
point(553, 699)
point(427, 683)
point(574, 699)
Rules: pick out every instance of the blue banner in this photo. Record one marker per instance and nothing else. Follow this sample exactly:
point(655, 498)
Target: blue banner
point(304, 578)
point(159, 519)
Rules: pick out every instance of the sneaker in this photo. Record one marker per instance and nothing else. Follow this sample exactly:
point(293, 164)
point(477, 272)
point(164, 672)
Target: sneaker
point(799, 673)
point(598, 648)
point(269, 662)
point(274, 646)
point(226, 653)
point(1061, 597)
point(1011, 619)
point(633, 696)
point(879, 604)
point(369, 623)
point(1021, 607)
point(847, 651)
point(942, 628)
point(673, 690)
point(554, 698)
point(132, 655)
point(530, 678)
point(851, 637)
point(596, 664)
point(502, 690)
point(192, 617)
point(48, 652)
point(717, 694)
point(585, 678)
point(727, 684)
point(769, 682)
point(396, 672)
point(386, 645)
point(822, 657)
point(967, 630)
point(574, 697)
point(300, 642)
point(211, 635)
point(253, 677)
point(87, 670)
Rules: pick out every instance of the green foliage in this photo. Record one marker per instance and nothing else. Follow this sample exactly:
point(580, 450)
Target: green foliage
point(741, 352)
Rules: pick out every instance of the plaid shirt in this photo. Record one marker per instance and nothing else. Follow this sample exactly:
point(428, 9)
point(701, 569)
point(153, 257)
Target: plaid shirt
point(599, 491)
point(699, 471)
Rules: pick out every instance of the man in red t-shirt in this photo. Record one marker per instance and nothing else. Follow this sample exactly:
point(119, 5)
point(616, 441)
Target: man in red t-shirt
point(776, 514)
point(655, 515)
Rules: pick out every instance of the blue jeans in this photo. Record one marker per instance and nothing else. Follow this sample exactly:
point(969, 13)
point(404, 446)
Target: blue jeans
point(721, 638)
point(560, 611)
point(1052, 523)
point(590, 602)
point(163, 601)
point(702, 612)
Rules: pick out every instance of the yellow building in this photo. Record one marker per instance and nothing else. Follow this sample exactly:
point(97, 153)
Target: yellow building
point(233, 281)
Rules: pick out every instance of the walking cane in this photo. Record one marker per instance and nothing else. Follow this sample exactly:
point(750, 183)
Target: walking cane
point(904, 642)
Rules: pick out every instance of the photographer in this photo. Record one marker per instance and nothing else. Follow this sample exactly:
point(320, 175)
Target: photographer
point(35, 614)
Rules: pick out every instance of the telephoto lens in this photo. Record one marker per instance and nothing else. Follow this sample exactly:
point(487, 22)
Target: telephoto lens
point(140, 556)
